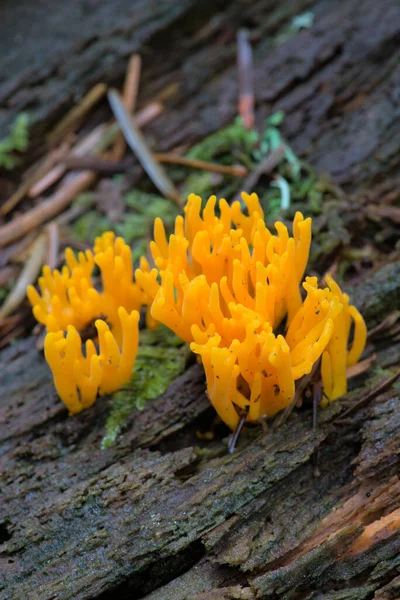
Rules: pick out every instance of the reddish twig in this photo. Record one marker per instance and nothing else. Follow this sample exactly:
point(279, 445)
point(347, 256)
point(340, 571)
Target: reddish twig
point(234, 170)
point(131, 88)
point(245, 76)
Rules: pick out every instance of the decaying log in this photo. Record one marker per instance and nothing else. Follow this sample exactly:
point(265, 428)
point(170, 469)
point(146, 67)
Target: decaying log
point(81, 522)
point(297, 513)
point(337, 81)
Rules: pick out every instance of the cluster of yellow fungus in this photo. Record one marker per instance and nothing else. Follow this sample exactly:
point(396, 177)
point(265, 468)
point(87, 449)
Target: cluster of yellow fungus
point(69, 302)
point(225, 284)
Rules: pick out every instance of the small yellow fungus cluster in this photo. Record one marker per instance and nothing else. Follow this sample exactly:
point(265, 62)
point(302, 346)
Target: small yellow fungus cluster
point(68, 303)
point(225, 284)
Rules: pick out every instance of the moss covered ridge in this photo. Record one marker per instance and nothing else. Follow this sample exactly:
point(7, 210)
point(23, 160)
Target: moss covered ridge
point(161, 358)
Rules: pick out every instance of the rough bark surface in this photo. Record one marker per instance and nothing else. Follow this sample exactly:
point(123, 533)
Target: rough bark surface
point(153, 516)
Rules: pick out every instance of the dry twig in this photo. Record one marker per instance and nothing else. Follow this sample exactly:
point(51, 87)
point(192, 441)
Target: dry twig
point(95, 142)
point(83, 147)
point(53, 235)
point(28, 275)
point(138, 144)
point(283, 416)
point(245, 76)
point(234, 170)
point(76, 114)
point(373, 394)
point(40, 171)
point(131, 88)
point(360, 367)
point(266, 166)
point(74, 185)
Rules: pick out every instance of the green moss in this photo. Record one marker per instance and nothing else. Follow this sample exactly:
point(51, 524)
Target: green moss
point(136, 224)
point(329, 233)
point(301, 21)
point(4, 291)
point(91, 225)
point(234, 143)
point(161, 358)
point(230, 144)
point(16, 141)
point(143, 208)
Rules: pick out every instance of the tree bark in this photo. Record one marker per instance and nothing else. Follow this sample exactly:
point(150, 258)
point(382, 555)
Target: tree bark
point(295, 514)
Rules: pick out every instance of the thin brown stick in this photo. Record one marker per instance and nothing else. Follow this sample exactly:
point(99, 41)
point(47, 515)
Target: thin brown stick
point(74, 185)
point(28, 275)
point(13, 252)
point(95, 141)
point(53, 246)
point(75, 211)
point(360, 367)
point(98, 164)
point(235, 436)
point(373, 394)
point(8, 274)
point(386, 324)
point(85, 146)
point(41, 171)
point(331, 271)
point(131, 88)
point(266, 166)
point(234, 170)
point(76, 114)
point(108, 166)
point(10, 335)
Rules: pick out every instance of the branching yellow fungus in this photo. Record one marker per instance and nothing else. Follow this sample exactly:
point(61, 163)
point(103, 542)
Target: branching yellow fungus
point(68, 302)
point(226, 284)
point(68, 297)
point(79, 377)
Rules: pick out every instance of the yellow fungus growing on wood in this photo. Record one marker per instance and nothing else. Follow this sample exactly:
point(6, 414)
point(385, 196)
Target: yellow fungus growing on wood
point(226, 284)
point(79, 377)
point(69, 303)
point(68, 297)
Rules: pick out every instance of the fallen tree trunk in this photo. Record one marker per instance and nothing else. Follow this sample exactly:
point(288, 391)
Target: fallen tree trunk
point(297, 513)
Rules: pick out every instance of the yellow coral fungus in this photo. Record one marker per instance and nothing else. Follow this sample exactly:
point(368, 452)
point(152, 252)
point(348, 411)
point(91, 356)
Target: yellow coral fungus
point(68, 297)
point(226, 284)
point(68, 302)
point(78, 378)
point(250, 265)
